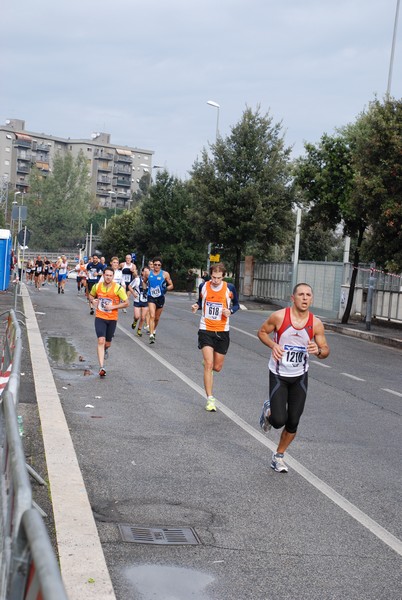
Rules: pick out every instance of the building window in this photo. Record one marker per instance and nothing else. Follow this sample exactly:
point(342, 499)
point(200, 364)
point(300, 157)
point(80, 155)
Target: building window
point(7, 163)
point(7, 148)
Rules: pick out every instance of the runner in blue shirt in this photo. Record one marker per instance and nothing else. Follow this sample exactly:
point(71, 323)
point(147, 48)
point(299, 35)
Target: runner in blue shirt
point(159, 282)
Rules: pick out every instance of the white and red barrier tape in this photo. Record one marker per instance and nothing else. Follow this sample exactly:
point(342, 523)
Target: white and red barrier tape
point(4, 377)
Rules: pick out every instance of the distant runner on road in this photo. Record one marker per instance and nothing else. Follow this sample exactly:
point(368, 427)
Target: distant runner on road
point(62, 276)
point(159, 283)
point(108, 297)
point(139, 289)
point(94, 270)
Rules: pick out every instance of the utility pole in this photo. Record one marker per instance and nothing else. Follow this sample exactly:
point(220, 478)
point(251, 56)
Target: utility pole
point(4, 196)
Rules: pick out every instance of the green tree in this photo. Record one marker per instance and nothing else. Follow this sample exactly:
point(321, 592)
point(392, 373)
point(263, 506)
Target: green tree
point(377, 163)
point(355, 178)
point(58, 204)
point(318, 243)
point(143, 188)
point(326, 177)
point(118, 238)
point(242, 192)
point(165, 226)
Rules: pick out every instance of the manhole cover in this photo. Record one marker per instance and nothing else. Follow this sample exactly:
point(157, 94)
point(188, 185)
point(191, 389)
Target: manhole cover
point(173, 536)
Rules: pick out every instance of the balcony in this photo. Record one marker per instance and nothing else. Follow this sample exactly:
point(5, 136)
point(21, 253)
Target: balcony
point(42, 148)
point(23, 155)
point(102, 154)
point(104, 179)
point(123, 158)
point(122, 170)
point(22, 168)
point(42, 165)
point(124, 182)
point(22, 143)
point(123, 195)
point(102, 191)
point(40, 157)
point(105, 167)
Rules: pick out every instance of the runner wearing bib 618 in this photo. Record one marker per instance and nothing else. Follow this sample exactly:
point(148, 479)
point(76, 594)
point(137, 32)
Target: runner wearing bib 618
point(217, 300)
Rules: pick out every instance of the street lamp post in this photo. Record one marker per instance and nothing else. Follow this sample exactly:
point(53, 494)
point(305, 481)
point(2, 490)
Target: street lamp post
point(4, 195)
point(112, 193)
point(296, 249)
point(19, 211)
point(217, 106)
point(391, 62)
point(12, 225)
point(146, 170)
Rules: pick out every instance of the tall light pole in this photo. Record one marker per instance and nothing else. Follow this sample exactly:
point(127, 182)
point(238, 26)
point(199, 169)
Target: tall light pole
point(19, 210)
point(112, 193)
point(4, 195)
point(296, 249)
point(217, 106)
point(146, 169)
point(12, 219)
point(391, 62)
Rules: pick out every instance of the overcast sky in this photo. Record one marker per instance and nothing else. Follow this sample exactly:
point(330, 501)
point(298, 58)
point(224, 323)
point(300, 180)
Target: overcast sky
point(144, 70)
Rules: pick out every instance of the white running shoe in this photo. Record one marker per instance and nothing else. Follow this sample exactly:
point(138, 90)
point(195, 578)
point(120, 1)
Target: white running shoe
point(210, 405)
point(278, 464)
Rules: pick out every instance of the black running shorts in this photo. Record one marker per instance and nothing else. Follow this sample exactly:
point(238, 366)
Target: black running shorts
point(218, 340)
point(105, 328)
point(159, 301)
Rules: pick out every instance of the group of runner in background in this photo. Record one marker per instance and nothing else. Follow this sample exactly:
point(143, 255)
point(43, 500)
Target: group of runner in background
point(108, 288)
point(42, 271)
point(147, 287)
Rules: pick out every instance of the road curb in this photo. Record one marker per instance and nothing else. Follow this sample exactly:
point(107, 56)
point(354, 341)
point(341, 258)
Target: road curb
point(82, 562)
point(364, 335)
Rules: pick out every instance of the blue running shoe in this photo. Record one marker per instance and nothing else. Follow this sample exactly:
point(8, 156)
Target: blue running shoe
point(266, 411)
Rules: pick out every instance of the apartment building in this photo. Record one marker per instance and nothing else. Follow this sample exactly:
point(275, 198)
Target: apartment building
point(115, 171)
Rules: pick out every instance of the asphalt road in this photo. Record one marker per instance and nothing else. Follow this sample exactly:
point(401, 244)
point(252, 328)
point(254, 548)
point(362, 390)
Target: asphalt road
point(152, 456)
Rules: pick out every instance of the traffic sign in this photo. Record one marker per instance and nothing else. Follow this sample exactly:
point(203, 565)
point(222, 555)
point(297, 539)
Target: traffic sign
point(23, 236)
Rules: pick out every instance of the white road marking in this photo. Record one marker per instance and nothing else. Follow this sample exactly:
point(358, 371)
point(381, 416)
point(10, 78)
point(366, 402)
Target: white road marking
point(353, 377)
point(392, 392)
point(319, 363)
point(380, 532)
point(253, 335)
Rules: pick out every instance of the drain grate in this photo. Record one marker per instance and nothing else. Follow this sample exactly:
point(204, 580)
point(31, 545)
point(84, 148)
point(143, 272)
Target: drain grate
point(172, 536)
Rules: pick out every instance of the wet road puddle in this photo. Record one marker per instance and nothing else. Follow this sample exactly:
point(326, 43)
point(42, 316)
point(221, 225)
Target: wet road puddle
point(61, 351)
point(173, 583)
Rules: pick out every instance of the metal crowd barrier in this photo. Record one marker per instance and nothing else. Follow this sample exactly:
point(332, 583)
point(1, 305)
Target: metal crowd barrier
point(28, 567)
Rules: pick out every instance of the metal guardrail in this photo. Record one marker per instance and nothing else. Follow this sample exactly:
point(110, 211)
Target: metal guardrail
point(330, 282)
point(28, 567)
